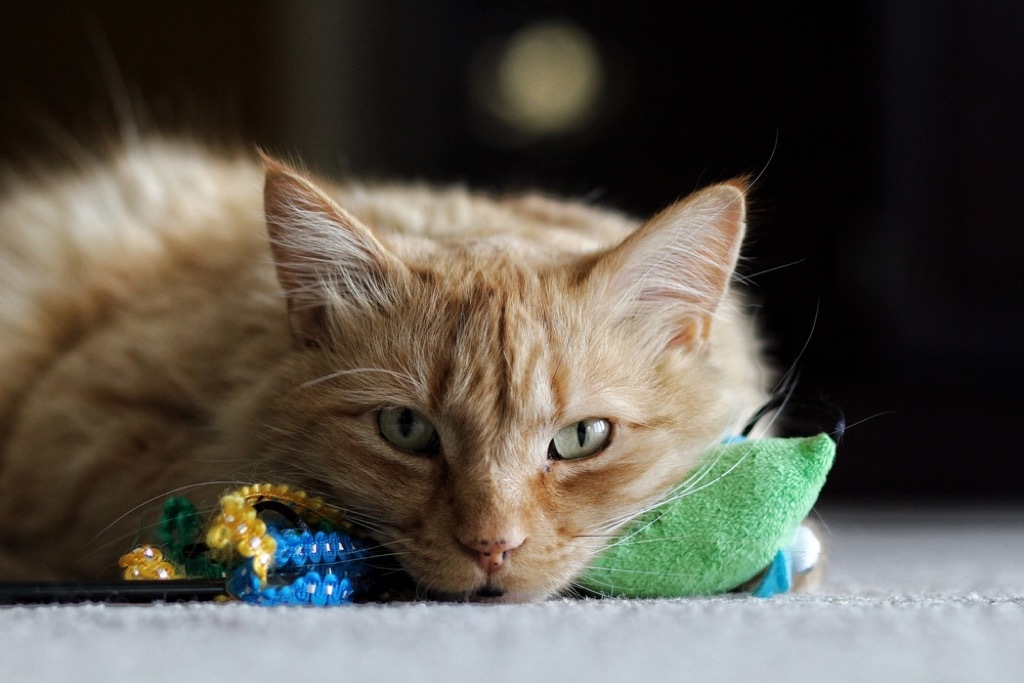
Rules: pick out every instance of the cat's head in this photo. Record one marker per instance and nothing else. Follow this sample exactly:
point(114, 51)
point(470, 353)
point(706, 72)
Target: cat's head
point(493, 411)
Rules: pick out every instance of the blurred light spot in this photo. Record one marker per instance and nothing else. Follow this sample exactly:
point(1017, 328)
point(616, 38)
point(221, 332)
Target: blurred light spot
point(545, 79)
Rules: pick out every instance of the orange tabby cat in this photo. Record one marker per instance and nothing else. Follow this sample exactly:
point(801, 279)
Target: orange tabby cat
point(493, 386)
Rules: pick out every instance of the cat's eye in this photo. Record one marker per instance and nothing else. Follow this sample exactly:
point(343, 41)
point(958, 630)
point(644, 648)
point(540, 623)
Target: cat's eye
point(580, 440)
point(408, 430)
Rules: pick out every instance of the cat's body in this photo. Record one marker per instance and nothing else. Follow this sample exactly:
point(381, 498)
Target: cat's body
point(154, 340)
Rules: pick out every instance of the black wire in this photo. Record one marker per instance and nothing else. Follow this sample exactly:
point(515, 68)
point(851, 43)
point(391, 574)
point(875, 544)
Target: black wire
point(282, 509)
point(124, 592)
point(826, 415)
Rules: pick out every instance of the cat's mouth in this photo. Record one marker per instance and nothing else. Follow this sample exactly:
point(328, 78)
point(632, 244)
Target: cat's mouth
point(489, 593)
point(464, 576)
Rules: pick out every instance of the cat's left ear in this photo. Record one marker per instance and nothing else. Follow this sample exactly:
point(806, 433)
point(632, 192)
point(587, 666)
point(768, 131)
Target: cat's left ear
point(326, 260)
point(674, 272)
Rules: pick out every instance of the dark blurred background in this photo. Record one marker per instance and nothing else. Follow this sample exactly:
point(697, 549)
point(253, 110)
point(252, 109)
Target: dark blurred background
point(885, 137)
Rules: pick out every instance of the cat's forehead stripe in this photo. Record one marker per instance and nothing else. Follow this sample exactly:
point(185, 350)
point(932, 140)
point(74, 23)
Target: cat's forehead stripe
point(496, 365)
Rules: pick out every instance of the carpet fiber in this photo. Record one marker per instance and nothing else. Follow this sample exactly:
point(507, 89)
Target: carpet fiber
point(909, 596)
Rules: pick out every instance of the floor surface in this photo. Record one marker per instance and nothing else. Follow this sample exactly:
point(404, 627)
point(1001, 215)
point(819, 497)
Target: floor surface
point(911, 595)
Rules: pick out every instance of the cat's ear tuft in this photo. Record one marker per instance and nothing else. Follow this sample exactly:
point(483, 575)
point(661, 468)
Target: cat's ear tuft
point(325, 258)
point(674, 271)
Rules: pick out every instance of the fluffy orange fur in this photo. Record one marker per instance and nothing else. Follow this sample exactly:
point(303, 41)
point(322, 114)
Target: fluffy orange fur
point(167, 329)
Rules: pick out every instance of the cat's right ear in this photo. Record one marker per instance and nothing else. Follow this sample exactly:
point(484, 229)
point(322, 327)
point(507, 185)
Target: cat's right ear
point(675, 270)
point(326, 260)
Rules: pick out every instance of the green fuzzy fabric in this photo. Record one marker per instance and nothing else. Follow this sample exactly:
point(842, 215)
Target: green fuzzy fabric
point(744, 505)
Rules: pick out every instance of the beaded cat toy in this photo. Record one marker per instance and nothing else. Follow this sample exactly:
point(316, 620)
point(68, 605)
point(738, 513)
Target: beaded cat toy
point(306, 554)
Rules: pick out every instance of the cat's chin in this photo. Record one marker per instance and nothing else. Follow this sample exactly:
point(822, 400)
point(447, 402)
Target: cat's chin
point(493, 593)
point(499, 589)
point(489, 595)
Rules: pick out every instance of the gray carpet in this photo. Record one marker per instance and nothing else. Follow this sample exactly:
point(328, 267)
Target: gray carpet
point(912, 595)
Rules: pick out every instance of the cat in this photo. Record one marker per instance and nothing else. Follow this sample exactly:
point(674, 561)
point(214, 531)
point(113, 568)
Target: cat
point(491, 385)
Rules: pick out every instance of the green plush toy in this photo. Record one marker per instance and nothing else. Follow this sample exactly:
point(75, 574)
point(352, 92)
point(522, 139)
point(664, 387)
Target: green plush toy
point(737, 515)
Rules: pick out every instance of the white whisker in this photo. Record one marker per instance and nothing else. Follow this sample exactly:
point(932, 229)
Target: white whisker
point(404, 377)
point(152, 500)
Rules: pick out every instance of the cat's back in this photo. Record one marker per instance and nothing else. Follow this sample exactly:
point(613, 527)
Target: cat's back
point(82, 241)
point(160, 199)
point(137, 206)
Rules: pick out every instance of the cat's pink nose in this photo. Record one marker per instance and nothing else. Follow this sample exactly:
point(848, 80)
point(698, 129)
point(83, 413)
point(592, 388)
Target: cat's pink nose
point(491, 553)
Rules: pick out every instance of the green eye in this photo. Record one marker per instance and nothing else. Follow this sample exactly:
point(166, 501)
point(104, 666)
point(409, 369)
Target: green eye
point(408, 430)
point(580, 440)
